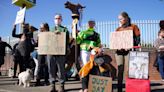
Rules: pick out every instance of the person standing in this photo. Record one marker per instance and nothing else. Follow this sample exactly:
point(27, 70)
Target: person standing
point(159, 44)
point(87, 40)
point(3, 45)
point(42, 66)
point(57, 62)
point(122, 55)
point(25, 45)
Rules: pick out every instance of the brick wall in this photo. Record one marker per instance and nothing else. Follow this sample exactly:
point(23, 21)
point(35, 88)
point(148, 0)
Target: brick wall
point(153, 73)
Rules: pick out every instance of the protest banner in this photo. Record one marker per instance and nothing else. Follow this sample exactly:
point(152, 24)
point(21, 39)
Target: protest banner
point(20, 16)
point(121, 40)
point(51, 43)
point(99, 84)
point(138, 65)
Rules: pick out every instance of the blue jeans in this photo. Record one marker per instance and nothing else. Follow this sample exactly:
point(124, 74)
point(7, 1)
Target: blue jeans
point(34, 54)
point(161, 65)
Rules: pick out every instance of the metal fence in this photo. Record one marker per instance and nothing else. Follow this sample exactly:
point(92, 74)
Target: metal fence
point(149, 30)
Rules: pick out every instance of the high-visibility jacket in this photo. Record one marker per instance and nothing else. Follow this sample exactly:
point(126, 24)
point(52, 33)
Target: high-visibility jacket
point(88, 39)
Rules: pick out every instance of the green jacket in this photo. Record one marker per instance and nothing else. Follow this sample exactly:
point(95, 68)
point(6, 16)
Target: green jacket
point(88, 38)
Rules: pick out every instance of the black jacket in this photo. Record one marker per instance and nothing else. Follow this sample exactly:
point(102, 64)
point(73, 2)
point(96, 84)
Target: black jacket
point(3, 45)
point(24, 47)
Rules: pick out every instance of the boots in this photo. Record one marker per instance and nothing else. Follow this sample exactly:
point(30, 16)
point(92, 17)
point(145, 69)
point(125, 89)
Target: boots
point(46, 82)
point(53, 88)
point(61, 88)
point(38, 82)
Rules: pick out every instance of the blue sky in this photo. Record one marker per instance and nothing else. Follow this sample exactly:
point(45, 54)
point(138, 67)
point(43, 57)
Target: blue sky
point(99, 10)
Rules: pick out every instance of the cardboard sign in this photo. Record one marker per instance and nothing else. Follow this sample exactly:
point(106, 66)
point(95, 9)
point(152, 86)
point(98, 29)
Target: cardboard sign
point(20, 16)
point(121, 40)
point(138, 65)
point(51, 43)
point(99, 84)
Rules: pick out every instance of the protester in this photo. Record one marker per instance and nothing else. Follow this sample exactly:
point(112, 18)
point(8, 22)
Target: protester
point(25, 46)
point(57, 62)
point(3, 45)
point(159, 44)
point(122, 55)
point(42, 67)
point(87, 40)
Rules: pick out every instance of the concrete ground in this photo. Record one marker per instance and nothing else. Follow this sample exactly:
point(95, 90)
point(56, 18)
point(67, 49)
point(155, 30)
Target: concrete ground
point(10, 85)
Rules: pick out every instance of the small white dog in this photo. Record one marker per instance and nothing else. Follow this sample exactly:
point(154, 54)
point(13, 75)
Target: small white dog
point(25, 78)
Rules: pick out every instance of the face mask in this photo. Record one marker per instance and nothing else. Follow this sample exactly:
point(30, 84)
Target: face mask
point(58, 22)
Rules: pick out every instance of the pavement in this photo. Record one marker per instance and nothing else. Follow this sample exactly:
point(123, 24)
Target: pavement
point(8, 84)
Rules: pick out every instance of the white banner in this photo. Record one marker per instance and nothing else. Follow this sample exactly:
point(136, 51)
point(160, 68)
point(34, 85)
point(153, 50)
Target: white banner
point(138, 65)
point(20, 16)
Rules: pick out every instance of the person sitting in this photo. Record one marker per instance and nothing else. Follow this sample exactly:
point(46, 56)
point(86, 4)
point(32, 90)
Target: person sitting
point(97, 65)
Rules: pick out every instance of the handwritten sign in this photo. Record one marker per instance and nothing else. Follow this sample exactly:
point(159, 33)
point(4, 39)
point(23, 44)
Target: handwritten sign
point(138, 65)
point(121, 40)
point(20, 16)
point(52, 43)
point(99, 84)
